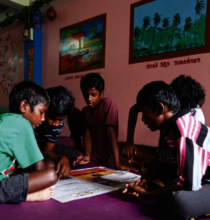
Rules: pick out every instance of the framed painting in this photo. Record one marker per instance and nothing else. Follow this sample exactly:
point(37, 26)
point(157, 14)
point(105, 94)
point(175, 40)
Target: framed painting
point(82, 45)
point(162, 29)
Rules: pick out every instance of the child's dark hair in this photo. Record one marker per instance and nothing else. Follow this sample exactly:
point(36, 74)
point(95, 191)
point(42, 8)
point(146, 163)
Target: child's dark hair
point(92, 80)
point(189, 92)
point(61, 101)
point(158, 91)
point(33, 93)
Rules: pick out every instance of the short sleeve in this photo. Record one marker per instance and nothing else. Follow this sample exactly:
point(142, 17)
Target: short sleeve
point(24, 146)
point(179, 152)
point(185, 161)
point(198, 115)
point(189, 166)
point(111, 112)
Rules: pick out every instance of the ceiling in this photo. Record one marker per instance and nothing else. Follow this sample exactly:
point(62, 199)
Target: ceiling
point(3, 8)
point(9, 7)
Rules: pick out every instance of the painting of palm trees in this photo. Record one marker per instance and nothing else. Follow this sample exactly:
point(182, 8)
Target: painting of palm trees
point(159, 28)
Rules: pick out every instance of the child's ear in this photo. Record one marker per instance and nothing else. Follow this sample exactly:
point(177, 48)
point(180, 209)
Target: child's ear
point(160, 108)
point(24, 106)
point(102, 93)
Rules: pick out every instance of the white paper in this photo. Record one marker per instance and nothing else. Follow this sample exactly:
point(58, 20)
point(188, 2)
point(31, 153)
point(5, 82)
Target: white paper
point(72, 189)
point(122, 177)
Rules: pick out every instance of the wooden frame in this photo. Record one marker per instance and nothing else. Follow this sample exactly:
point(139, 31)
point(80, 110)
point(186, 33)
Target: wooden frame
point(138, 53)
point(82, 46)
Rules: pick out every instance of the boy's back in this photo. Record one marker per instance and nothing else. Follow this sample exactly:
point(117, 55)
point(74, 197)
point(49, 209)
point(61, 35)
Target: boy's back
point(28, 103)
point(187, 146)
point(96, 120)
point(16, 141)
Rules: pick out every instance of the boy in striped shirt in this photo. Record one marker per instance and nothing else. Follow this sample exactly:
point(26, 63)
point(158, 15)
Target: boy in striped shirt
point(185, 147)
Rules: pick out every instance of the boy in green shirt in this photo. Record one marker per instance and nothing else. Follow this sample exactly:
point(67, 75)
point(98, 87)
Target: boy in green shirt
point(28, 103)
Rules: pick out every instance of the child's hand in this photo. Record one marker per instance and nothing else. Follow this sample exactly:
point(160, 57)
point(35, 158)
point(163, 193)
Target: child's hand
point(126, 168)
point(78, 159)
point(135, 163)
point(129, 150)
point(65, 167)
point(137, 188)
point(84, 160)
point(142, 183)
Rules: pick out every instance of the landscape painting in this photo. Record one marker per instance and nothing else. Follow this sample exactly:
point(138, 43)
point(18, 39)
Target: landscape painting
point(162, 30)
point(82, 45)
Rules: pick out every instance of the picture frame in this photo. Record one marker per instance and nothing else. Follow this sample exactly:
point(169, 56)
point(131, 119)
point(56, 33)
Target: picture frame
point(162, 31)
point(82, 46)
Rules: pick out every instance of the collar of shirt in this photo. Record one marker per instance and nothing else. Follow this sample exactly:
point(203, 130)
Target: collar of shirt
point(175, 117)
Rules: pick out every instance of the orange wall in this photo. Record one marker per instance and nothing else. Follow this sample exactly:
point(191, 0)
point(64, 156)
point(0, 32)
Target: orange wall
point(122, 80)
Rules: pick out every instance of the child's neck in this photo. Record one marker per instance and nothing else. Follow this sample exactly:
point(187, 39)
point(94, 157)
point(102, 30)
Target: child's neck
point(168, 117)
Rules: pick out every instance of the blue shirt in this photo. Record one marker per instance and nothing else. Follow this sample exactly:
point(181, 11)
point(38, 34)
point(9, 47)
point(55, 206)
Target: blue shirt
point(49, 135)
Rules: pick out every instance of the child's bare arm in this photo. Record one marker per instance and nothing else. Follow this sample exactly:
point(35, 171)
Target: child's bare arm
point(142, 193)
point(47, 149)
point(138, 188)
point(111, 134)
point(129, 148)
point(62, 161)
point(88, 147)
point(132, 119)
point(40, 165)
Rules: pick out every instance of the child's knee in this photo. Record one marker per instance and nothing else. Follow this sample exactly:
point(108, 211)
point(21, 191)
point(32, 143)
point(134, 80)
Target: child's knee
point(175, 206)
point(52, 176)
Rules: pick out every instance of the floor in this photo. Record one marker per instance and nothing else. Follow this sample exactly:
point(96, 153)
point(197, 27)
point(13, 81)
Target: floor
point(114, 205)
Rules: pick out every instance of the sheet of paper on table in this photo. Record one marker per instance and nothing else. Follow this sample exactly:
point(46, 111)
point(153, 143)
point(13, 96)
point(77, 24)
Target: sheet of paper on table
point(89, 182)
point(122, 176)
point(72, 189)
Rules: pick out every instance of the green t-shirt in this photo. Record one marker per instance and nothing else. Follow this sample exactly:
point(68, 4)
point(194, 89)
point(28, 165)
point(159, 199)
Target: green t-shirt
point(17, 142)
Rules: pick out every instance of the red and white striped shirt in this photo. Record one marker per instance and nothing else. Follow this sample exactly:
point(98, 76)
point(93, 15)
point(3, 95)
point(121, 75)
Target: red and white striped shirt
point(186, 145)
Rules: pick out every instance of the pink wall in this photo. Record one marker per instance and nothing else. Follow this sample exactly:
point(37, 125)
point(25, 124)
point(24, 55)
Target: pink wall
point(12, 61)
point(123, 81)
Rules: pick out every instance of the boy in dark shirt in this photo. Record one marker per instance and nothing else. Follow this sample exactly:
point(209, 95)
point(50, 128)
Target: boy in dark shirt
point(61, 102)
point(185, 147)
point(190, 94)
point(28, 103)
point(100, 120)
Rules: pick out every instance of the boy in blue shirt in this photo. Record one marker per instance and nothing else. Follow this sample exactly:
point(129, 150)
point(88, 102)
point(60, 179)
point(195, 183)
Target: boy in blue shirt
point(28, 103)
point(61, 103)
point(185, 147)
